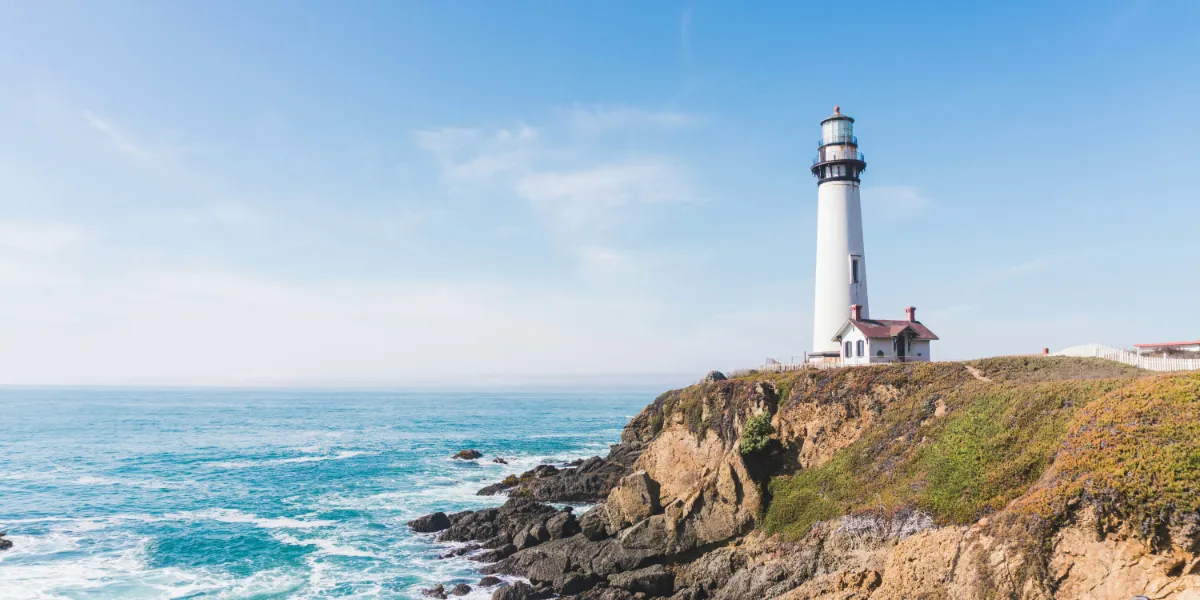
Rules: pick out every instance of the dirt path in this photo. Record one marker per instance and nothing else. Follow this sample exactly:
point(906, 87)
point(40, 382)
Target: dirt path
point(977, 374)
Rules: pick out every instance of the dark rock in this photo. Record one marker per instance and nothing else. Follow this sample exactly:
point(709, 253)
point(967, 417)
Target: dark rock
point(517, 591)
point(489, 581)
point(654, 581)
point(607, 593)
point(713, 376)
point(471, 454)
point(548, 568)
point(593, 524)
point(461, 550)
point(435, 592)
point(4, 543)
point(573, 583)
point(458, 516)
point(562, 525)
point(475, 525)
point(544, 471)
point(430, 523)
point(540, 532)
point(497, 541)
point(499, 461)
point(524, 540)
point(498, 554)
point(461, 589)
point(589, 480)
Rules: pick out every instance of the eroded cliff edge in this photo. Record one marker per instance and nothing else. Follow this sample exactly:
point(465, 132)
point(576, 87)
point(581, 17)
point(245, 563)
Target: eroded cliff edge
point(1017, 478)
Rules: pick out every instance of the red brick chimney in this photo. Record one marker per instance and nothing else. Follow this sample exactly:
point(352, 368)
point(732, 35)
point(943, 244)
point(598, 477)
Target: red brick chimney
point(855, 312)
point(912, 314)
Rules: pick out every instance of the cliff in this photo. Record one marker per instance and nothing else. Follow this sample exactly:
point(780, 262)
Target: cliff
point(1023, 478)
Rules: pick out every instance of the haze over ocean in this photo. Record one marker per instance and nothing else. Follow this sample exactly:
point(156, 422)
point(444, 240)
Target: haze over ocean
point(263, 494)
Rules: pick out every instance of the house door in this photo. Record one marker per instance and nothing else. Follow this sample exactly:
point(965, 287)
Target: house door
point(900, 347)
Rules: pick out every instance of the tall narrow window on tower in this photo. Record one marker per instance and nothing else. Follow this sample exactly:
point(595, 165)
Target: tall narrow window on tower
point(854, 269)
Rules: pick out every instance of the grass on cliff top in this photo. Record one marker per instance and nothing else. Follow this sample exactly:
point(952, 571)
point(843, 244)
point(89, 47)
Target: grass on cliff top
point(1110, 432)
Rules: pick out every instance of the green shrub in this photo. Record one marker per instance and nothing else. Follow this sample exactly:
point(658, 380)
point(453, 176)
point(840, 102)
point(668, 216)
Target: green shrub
point(756, 436)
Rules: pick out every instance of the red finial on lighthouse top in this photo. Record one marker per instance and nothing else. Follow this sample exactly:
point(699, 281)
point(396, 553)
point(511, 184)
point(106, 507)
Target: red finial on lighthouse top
point(837, 109)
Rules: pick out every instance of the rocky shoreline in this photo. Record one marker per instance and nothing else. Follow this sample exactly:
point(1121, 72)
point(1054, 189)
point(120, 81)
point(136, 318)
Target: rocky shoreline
point(613, 551)
point(494, 536)
point(725, 491)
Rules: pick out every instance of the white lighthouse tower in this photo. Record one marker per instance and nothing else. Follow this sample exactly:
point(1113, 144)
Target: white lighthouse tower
point(841, 277)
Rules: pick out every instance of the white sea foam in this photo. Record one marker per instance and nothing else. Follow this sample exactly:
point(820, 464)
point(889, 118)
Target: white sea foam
point(91, 479)
point(150, 484)
point(229, 515)
point(326, 546)
point(243, 464)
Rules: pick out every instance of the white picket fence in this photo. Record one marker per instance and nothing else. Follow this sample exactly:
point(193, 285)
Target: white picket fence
point(1150, 363)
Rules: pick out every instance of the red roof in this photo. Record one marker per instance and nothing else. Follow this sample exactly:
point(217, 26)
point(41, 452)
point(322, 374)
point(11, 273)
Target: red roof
point(1167, 344)
point(881, 328)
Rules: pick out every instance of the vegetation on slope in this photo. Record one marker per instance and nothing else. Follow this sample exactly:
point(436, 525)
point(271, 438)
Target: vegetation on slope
point(1111, 432)
point(1133, 454)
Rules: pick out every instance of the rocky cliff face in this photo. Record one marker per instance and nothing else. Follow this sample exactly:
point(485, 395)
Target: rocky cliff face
point(898, 482)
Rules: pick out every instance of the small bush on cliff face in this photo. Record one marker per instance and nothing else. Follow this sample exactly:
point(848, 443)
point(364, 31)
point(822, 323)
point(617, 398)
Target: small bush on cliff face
point(756, 436)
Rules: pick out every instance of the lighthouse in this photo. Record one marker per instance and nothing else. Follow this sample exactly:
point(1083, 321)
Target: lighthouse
point(841, 274)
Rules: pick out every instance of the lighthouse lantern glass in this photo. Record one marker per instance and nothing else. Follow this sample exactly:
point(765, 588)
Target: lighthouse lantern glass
point(837, 131)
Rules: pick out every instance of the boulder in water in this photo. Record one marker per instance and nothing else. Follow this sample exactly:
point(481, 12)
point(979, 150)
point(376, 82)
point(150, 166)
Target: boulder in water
point(470, 454)
point(430, 523)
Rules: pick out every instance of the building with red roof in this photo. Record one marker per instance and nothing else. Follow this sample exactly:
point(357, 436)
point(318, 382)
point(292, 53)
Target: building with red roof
point(864, 341)
point(1168, 347)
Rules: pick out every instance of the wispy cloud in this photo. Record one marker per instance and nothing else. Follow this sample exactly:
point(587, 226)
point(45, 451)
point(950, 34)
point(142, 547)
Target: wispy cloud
point(895, 202)
point(586, 198)
point(121, 140)
point(471, 155)
point(573, 184)
point(602, 259)
point(39, 237)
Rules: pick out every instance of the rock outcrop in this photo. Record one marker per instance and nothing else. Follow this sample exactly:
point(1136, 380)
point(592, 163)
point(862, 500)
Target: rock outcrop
point(430, 523)
point(4, 543)
point(583, 481)
point(680, 510)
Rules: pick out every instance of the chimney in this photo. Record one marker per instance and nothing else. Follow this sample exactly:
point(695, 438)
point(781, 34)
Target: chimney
point(855, 312)
point(912, 314)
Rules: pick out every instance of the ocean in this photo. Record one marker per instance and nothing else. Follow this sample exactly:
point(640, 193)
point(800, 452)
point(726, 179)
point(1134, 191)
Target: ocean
point(263, 494)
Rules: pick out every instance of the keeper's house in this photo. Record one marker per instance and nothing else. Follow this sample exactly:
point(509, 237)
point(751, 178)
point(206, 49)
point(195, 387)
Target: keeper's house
point(870, 341)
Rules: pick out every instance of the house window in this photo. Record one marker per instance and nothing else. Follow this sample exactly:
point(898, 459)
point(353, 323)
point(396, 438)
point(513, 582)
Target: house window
point(879, 353)
point(848, 353)
point(854, 269)
point(860, 347)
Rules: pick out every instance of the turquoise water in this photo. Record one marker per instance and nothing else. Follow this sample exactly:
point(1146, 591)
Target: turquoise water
point(215, 494)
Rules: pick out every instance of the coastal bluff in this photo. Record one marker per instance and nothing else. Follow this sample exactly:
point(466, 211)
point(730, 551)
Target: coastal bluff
point(1016, 477)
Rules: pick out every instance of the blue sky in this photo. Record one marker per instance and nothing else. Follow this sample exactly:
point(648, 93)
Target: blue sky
point(395, 193)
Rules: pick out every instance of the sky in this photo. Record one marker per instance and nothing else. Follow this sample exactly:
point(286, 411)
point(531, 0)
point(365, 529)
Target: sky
point(306, 193)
